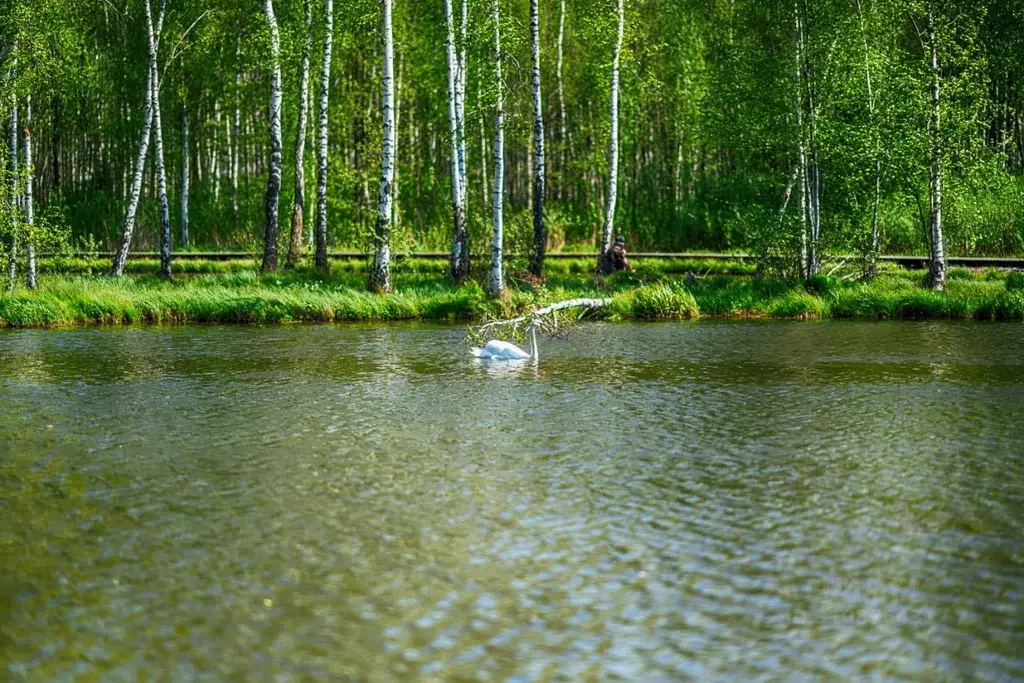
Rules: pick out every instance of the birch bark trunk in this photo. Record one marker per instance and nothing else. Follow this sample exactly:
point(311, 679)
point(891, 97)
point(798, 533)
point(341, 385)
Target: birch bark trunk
point(801, 146)
point(12, 255)
point(562, 122)
point(613, 150)
point(873, 246)
point(235, 133)
point(460, 242)
point(461, 104)
point(138, 176)
point(540, 231)
point(161, 170)
point(395, 204)
point(29, 201)
point(321, 147)
point(380, 270)
point(937, 273)
point(299, 203)
point(496, 279)
point(185, 172)
point(484, 180)
point(273, 196)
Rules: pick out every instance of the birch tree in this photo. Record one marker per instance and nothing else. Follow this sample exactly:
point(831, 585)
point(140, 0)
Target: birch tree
point(875, 148)
point(143, 150)
point(460, 242)
point(299, 204)
point(161, 170)
point(604, 263)
point(937, 269)
point(321, 146)
point(803, 265)
point(185, 166)
point(460, 102)
point(496, 279)
point(236, 128)
point(29, 198)
point(273, 196)
point(540, 232)
point(563, 125)
point(380, 270)
point(12, 255)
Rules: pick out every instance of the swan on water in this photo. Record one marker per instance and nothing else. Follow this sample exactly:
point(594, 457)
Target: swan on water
point(503, 350)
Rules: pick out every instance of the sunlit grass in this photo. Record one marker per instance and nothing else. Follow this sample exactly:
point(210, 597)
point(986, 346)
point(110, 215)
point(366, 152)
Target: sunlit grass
point(243, 295)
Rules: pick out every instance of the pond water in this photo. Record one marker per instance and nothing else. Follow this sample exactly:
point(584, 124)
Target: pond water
point(651, 502)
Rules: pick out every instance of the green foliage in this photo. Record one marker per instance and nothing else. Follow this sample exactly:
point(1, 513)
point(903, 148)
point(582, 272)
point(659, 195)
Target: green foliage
point(1015, 281)
point(708, 123)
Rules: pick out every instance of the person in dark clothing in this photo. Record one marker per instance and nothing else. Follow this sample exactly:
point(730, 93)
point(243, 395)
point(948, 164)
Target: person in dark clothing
point(616, 259)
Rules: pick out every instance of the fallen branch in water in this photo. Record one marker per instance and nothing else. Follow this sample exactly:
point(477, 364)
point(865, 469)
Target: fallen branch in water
point(547, 310)
point(545, 319)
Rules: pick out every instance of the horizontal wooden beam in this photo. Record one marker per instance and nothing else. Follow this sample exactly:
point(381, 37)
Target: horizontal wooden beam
point(906, 261)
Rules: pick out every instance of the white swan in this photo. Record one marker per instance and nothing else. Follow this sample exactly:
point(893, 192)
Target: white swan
point(503, 350)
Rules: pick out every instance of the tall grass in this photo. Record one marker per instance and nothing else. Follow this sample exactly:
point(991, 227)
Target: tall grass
point(304, 295)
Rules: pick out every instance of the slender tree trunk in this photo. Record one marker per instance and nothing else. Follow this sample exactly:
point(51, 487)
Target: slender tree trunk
point(813, 170)
point(461, 104)
point(395, 204)
point(185, 170)
point(604, 261)
point(140, 159)
point(299, 205)
point(540, 231)
point(236, 132)
point(380, 270)
point(161, 170)
point(873, 247)
point(496, 279)
point(29, 201)
point(562, 121)
point(12, 256)
point(460, 241)
point(484, 181)
point(321, 145)
point(938, 257)
point(801, 146)
point(273, 197)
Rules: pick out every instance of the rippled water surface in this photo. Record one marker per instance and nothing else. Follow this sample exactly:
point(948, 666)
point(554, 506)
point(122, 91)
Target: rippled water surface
point(654, 502)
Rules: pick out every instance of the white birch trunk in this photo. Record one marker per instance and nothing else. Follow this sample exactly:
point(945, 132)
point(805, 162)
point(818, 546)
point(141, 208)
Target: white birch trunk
point(395, 204)
point(380, 270)
point(321, 145)
point(185, 172)
point(562, 121)
point(161, 170)
point(299, 203)
point(460, 241)
point(138, 175)
point(12, 256)
point(613, 149)
point(938, 257)
point(484, 180)
point(273, 196)
point(873, 247)
point(540, 231)
point(496, 279)
point(215, 163)
point(460, 101)
point(235, 133)
point(801, 147)
point(29, 201)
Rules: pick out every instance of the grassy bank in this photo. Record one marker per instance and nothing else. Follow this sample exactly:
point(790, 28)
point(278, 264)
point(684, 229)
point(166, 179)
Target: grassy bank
point(422, 293)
